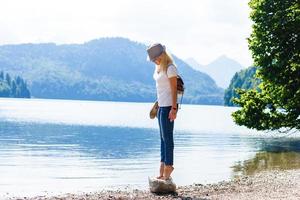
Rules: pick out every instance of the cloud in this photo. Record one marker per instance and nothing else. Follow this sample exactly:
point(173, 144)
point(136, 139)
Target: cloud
point(202, 29)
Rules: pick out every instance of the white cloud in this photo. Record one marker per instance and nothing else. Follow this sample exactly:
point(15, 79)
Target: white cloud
point(203, 29)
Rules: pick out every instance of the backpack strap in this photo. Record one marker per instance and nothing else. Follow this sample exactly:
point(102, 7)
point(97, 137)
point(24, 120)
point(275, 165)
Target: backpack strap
point(182, 92)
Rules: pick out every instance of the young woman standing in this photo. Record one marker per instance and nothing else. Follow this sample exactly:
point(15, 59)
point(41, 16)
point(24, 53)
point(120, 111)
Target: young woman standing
point(165, 76)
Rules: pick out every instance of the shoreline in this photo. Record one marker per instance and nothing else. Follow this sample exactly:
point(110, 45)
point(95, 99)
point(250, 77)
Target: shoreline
point(275, 184)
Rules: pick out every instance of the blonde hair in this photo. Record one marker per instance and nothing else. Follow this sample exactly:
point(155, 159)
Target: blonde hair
point(166, 60)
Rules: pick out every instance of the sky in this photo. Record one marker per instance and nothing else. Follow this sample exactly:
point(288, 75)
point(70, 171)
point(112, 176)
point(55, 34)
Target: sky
point(201, 29)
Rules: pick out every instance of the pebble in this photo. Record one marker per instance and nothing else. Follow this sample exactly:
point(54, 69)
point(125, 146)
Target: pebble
point(265, 185)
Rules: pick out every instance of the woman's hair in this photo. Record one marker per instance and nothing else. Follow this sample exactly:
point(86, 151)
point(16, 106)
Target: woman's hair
point(166, 60)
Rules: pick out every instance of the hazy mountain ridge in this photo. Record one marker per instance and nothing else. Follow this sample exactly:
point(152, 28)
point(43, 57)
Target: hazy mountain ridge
point(103, 69)
point(221, 70)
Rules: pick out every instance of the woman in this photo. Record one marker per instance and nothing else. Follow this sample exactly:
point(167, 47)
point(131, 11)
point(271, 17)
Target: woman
point(165, 76)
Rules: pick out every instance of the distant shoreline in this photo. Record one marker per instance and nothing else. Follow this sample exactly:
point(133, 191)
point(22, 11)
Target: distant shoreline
point(264, 185)
point(109, 101)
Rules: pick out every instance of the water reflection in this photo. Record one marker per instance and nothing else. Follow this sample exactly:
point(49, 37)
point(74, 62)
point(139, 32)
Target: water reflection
point(99, 142)
point(280, 145)
point(280, 154)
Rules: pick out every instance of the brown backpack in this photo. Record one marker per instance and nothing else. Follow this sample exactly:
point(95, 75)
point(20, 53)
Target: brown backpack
point(180, 88)
point(180, 85)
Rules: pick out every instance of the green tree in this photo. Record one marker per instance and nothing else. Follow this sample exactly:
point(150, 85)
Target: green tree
point(8, 79)
point(275, 46)
point(4, 89)
point(243, 79)
point(24, 90)
point(13, 89)
point(1, 75)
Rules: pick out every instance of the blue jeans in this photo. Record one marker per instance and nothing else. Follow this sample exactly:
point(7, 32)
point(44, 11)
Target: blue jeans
point(166, 135)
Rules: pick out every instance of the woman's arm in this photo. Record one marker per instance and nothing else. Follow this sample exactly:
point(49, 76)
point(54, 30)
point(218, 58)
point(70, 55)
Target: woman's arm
point(173, 84)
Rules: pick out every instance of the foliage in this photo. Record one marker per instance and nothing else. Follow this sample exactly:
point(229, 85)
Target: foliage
point(16, 87)
point(243, 79)
point(275, 46)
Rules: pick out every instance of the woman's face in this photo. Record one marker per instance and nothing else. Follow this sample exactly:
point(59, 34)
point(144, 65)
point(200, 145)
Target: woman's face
point(157, 61)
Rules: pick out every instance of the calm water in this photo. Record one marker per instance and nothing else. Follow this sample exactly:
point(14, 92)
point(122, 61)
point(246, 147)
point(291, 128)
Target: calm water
point(71, 146)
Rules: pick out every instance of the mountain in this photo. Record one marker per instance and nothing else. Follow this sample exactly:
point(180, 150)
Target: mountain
point(221, 70)
point(243, 79)
point(113, 69)
point(194, 64)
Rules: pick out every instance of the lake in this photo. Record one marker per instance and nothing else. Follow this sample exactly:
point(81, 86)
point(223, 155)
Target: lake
point(60, 146)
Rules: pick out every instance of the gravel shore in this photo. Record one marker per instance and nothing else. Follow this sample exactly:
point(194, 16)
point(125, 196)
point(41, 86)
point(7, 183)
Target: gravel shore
point(265, 185)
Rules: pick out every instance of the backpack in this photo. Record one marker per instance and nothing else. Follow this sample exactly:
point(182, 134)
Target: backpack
point(180, 87)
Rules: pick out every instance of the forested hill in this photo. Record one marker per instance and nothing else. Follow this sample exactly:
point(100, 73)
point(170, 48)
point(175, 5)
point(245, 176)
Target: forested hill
point(104, 69)
point(13, 87)
point(243, 79)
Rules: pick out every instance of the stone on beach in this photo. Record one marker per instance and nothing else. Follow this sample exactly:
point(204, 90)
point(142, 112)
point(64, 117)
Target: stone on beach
point(161, 186)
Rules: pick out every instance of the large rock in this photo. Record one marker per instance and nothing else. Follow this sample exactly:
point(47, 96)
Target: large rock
point(161, 186)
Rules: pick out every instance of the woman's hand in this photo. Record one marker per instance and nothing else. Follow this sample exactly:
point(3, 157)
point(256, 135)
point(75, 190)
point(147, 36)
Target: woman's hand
point(172, 114)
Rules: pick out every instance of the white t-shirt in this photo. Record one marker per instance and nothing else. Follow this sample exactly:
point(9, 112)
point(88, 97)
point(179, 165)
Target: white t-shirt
point(163, 86)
